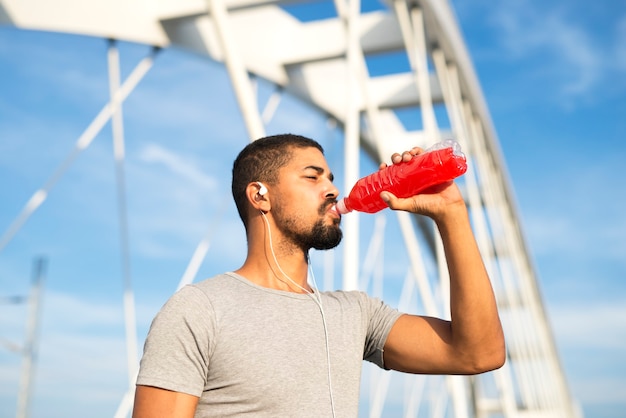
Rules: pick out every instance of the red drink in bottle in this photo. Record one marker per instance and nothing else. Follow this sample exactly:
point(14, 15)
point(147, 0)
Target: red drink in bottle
point(442, 162)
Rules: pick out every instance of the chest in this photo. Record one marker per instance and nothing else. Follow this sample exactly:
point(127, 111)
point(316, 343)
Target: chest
point(265, 356)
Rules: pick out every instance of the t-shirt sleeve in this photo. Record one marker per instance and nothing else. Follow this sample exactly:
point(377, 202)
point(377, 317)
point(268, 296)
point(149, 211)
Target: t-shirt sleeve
point(380, 321)
point(177, 348)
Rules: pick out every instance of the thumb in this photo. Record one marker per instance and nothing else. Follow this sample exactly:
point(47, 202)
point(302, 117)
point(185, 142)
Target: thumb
point(395, 203)
point(389, 198)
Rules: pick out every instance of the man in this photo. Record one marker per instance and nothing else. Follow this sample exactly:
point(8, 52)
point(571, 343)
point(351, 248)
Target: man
point(260, 341)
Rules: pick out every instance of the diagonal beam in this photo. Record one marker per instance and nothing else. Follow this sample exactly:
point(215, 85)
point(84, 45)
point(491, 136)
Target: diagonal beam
point(82, 143)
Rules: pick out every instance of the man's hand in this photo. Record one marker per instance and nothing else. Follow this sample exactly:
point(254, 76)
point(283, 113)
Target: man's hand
point(433, 202)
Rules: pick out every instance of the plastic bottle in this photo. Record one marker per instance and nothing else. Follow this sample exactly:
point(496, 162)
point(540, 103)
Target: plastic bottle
point(440, 163)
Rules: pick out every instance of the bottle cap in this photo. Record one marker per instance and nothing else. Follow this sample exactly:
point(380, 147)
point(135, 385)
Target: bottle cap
point(341, 207)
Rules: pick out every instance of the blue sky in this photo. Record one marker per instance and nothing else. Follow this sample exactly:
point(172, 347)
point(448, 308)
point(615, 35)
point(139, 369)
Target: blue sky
point(554, 77)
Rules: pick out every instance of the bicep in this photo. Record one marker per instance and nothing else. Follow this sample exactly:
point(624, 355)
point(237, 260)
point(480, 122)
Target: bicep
point(152, 402)
point(420, 344)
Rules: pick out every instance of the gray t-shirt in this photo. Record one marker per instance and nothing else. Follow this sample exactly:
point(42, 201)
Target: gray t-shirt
point(248, 350)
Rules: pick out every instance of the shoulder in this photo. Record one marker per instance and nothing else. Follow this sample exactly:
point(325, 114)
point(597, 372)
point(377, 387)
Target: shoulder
point(352, 297)
point(195, 300)
point(207, 289)
point(220, 281)
point(367, 305)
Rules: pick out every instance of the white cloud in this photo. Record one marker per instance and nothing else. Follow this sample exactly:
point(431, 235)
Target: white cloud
point(173, 201)
point(568, 238)
point(591, 339)
point(600, 325)
point(578, 235)
point(176, 164)
point(603, 391)
point(555, 48)
point(571, 58)
point(575, 209)
point(620, 46)
point(578, 51)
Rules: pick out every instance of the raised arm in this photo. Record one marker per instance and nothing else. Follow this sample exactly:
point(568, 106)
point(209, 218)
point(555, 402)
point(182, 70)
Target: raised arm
point(473, 341)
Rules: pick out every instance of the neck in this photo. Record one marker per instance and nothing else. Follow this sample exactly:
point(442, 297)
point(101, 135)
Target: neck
point(276, 268)
point(272, 260)
point(295, 279)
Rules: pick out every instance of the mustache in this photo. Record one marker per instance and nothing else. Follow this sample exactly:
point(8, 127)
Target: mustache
point(327, 204)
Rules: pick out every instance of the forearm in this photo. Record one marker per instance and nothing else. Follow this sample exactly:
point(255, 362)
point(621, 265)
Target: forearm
point(476, 332)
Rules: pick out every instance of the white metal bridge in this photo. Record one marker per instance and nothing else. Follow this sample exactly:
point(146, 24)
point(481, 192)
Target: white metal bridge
point(324, 63)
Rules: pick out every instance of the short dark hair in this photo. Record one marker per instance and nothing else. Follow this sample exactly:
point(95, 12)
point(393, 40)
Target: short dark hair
point(260, 161)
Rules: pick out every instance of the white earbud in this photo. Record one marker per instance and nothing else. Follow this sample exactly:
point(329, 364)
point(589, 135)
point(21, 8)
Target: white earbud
point(262, 188)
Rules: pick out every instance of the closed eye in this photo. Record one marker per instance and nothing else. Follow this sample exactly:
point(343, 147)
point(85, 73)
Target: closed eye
point(319, 171)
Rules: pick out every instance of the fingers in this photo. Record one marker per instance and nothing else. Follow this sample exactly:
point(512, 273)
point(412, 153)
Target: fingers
point(406, 155)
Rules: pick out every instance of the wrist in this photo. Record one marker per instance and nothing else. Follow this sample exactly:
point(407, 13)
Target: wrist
point(451, 214)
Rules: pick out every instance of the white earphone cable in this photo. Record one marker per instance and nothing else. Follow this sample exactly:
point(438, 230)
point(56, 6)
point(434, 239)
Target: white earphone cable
point(330, 383)
point(317, 298)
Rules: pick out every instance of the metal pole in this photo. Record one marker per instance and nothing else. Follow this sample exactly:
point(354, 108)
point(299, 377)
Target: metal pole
point(119, 152)
point(236, 70)
point(29, 351)
point(350, 14)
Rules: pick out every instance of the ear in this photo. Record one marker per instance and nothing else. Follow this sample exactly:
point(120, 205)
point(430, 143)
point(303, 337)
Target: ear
point(262, 188)
point(257, 195)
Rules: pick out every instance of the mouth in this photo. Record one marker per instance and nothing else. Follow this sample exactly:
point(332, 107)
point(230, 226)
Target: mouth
point(333, 211)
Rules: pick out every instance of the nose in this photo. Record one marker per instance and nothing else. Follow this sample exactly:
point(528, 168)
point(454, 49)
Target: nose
point(331, 192)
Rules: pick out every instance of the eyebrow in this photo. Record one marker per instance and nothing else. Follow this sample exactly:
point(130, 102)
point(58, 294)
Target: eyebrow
point(320, 171)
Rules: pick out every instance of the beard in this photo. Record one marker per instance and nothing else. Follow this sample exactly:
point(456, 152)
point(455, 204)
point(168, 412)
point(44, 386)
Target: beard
point(320, 236)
